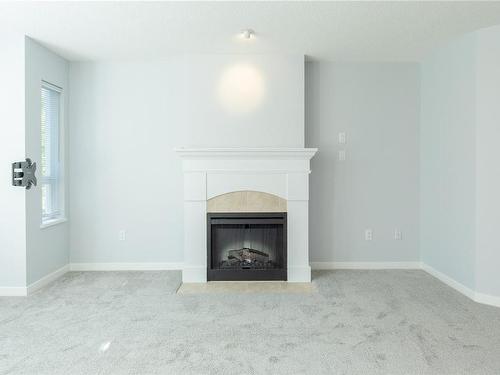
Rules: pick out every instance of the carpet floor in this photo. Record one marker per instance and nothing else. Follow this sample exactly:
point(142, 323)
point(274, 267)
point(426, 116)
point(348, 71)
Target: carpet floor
point(356, 322)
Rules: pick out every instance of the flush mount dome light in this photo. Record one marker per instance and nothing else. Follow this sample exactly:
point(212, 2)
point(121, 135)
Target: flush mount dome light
point(247, 34)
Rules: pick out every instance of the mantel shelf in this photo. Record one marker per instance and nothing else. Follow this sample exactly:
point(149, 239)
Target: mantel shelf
point(246, 153)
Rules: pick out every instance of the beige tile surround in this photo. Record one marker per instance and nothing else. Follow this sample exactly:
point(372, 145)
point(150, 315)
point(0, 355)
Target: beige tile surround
point(246, 201)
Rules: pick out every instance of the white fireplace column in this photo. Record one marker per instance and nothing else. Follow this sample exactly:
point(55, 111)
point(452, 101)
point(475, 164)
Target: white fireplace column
point(209, 172)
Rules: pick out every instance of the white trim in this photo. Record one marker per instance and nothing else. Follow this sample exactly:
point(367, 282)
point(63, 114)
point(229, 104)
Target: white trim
point(487, 299)
point(475, 296)
point(47, 279)
point(449, 281)
point(51, 223)
point(247, 171)
point(298, 274)
point(466, 291)
point(246, 152)
point(125, 266)
point(365, 265)
point(194, 274)
point(13, 291)
point(51, 86)
point(459, 287)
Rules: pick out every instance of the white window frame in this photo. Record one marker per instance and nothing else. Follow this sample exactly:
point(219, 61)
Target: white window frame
point(59, 216)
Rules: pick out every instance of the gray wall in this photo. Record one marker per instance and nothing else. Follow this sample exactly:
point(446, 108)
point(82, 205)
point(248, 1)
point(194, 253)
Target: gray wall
point(488, 162)
point(121, 110)
point(448, 160)
point(376, 187)
point(126, 119)
point(47, 249)
point(12, 199)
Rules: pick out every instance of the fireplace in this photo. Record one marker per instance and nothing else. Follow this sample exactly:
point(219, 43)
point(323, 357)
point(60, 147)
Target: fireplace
point(213, 172)
point(246, 246)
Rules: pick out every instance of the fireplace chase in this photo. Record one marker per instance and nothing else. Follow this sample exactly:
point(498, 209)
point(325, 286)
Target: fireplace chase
point(246, 246)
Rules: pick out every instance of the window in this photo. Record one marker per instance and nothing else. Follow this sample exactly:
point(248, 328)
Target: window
point(50, 122)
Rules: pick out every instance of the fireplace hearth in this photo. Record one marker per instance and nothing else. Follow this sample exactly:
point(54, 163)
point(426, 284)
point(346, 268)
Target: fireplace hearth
point(246, 246)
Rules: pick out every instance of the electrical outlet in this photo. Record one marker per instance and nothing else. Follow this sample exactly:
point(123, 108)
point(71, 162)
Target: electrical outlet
point(122, 235)
point(342, 155)
point(397, 234)
point(368, 234)
point(342, 138)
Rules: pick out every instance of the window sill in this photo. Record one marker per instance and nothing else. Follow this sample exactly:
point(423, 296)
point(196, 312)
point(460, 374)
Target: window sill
point(51, 223)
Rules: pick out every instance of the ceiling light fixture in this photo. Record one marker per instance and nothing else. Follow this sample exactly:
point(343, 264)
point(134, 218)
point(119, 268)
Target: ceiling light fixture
point(247, 34)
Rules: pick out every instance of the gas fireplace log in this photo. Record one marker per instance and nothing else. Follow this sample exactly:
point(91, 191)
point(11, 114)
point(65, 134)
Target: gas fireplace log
point(248, 255)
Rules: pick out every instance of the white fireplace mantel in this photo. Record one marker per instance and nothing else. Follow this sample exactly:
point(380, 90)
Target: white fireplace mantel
point(242, 153)
point(209, 172)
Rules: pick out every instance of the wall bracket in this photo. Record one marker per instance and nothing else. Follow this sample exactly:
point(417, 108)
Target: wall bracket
point(23, 173)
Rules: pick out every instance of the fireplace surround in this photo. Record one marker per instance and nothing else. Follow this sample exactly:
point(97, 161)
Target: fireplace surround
point(213, 172)
point(246, 246)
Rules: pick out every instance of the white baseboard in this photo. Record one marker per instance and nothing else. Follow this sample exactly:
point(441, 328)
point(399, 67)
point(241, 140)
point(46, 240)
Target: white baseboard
point(25, 291)
point(485, 299)
point(13, 291)
point(468, 292)
point(365, 265)
point(47, 279)
point(449, 281)
point(125, 266)
point(473, 295)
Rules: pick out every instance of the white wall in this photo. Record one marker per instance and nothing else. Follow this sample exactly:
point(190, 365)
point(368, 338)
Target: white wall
point(269, 112)
point(376, 187)
point(460, 170)
point(447, 172)
point(126, 119)
point(488, 162)
point(12, 148)
point(47, 249)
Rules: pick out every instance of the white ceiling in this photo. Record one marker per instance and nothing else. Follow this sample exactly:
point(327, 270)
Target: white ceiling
point(341, 31)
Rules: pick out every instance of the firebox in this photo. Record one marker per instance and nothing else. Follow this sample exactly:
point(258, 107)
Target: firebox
point(246, 246)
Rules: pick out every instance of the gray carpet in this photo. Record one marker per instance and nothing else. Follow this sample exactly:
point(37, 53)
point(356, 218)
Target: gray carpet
point(358, 322)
